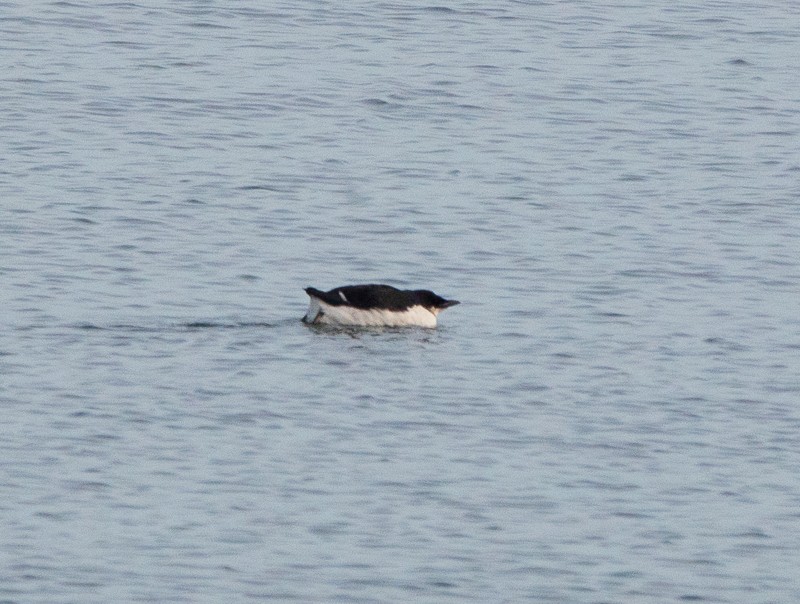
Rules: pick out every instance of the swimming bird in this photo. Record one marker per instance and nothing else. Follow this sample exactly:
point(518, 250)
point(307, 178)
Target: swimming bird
point(375, 305)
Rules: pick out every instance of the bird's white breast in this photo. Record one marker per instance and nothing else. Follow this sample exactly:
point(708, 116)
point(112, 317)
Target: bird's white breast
point(325, 314)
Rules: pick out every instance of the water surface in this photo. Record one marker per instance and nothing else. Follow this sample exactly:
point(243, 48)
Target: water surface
point(609, 416)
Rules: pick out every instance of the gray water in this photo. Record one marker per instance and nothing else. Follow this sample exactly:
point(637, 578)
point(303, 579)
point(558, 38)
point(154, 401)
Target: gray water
point(611, 190)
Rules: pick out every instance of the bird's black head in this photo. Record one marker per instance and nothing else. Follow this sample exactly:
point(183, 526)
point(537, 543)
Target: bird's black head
point(433, 301)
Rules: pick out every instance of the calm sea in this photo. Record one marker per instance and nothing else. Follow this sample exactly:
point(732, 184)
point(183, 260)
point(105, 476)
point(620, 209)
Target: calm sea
point(611, 189)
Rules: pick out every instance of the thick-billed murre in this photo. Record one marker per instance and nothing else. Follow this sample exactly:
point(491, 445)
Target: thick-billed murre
point(375, 305)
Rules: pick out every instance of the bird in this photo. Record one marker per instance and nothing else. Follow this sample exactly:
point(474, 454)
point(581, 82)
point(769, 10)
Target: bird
point(374, 305)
